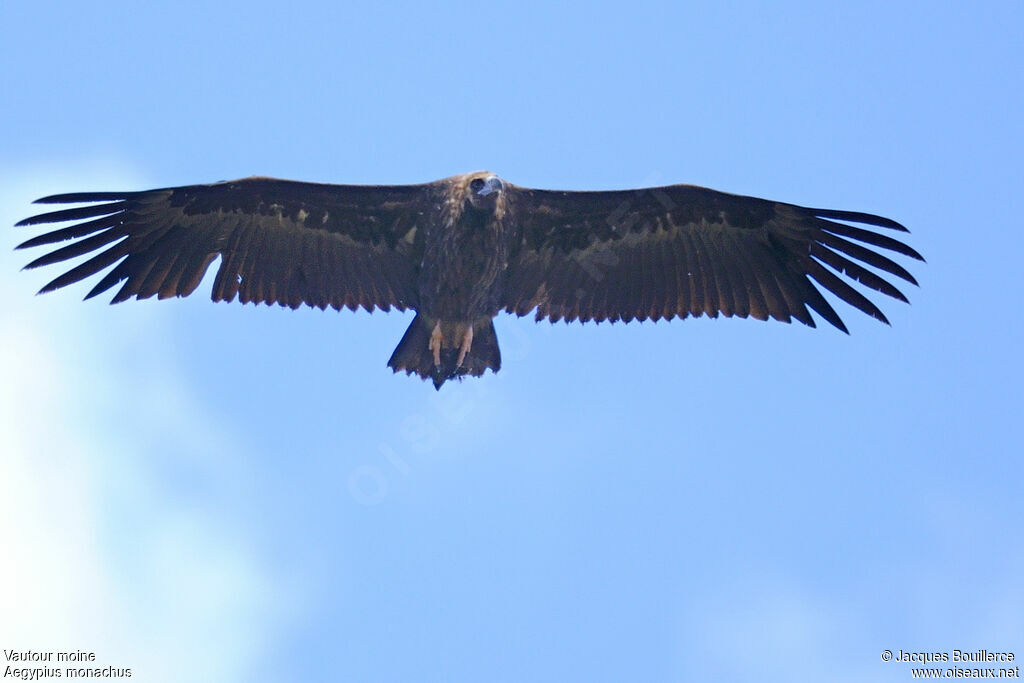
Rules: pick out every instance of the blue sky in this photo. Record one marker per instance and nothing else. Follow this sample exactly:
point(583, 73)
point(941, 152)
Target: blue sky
point(251, 494)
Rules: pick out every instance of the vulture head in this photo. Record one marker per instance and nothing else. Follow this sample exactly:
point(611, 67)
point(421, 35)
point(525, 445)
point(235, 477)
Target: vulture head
point(484, 191)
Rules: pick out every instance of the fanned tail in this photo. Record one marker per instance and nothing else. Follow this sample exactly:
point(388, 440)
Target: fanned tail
point(413, 353)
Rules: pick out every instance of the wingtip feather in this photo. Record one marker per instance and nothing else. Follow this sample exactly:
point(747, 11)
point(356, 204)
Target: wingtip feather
point(859, 217)
point(83, 197)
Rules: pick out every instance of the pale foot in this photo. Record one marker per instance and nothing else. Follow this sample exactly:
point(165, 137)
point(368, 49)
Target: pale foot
point(436, 339)
point(467, 341)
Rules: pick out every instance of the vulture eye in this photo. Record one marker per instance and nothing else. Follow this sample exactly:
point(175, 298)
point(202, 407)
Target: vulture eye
point(476, 184)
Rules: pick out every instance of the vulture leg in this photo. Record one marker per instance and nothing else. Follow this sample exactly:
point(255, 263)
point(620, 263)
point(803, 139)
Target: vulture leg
point(467, 341)
point(436, 339)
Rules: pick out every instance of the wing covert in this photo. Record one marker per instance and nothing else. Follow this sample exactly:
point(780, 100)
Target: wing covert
point(684, 250)
point(279, 242)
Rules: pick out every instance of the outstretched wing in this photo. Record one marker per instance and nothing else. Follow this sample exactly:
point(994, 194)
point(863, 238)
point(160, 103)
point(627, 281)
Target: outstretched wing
point(279, 242)
point(684, 250)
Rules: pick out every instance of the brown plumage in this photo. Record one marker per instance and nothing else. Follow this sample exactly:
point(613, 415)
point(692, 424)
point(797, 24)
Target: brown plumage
point(460, 250)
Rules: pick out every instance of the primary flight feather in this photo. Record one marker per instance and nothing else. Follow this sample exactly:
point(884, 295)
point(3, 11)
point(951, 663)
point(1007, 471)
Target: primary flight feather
point(460, 250)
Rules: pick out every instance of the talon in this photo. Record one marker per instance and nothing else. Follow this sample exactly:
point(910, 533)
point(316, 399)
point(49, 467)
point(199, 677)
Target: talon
point(467, 341)
point(436, 339)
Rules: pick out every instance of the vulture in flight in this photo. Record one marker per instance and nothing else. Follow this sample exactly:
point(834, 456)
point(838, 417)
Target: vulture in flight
point(460, 250)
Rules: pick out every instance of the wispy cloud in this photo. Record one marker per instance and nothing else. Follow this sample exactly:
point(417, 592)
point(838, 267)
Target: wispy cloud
point(101, 553)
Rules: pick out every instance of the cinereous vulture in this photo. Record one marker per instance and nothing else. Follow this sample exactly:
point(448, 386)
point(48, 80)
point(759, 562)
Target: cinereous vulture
point(460, 250)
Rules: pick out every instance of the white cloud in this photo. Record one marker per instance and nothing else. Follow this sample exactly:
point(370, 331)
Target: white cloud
point(99, 553)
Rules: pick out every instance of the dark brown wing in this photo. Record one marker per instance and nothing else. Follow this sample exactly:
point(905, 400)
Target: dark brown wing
point(279, 241)
point(685, 250)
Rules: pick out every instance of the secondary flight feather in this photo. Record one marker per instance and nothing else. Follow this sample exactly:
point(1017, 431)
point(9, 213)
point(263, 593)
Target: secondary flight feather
point(460, 250)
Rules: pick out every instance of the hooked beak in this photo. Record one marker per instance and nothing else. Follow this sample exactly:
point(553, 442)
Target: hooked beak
point(491, 185)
